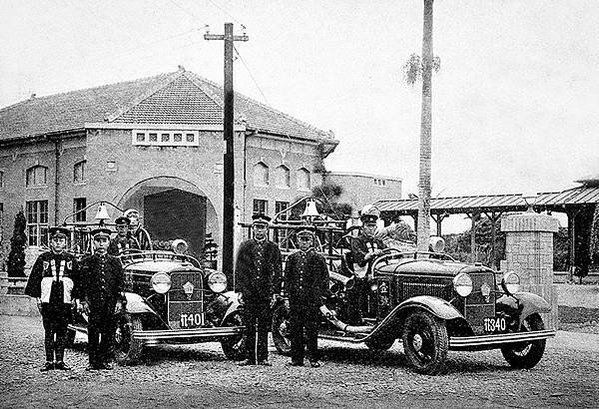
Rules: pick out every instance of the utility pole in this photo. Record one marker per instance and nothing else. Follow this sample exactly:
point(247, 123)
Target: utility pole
point(229, 158)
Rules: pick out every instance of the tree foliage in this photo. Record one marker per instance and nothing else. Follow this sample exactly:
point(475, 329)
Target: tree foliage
point(459, 245)
point(328, 204)
point(413, 68)
point(18, 242)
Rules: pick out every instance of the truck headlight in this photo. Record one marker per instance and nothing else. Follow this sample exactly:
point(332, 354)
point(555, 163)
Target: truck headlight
point(217, 282)
point(510, 282)
point(462, 284)
point(161, 283)
point(180, 246)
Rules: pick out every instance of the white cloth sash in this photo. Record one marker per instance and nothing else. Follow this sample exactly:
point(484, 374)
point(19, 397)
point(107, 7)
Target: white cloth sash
point(67, 283)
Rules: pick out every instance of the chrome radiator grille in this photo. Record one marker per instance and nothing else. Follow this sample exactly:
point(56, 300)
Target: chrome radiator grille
point(478, 306)
point(413, 288)
point(182, 304)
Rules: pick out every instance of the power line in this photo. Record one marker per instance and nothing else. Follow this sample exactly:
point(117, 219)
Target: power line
point(227, 13)
point(185, 10)
point(251, 75)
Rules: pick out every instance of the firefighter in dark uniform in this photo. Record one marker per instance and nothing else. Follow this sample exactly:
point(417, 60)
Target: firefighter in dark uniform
point(364, 248)
point(306, 283)
point(52, 282)
point(123, 240)
point(135, 228)
point(102, 284)
point(258, 274)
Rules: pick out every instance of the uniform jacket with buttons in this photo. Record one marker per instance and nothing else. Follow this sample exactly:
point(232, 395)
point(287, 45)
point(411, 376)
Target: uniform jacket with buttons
point(360, 246)
point(102, 279)
point(53, 278)
point(118, 245)
point(306, 278)
point(258, 269)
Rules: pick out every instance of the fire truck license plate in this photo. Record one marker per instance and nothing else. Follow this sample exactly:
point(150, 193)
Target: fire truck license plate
point(495, 324)
point(190, 320)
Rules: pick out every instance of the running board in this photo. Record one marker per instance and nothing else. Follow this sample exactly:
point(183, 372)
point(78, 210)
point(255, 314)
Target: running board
point(342, 338)
point(497, 340)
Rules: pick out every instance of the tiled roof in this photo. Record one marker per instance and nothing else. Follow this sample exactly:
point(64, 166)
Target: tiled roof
point(181, 102)
point(175, 98)
point(71, 110)
point(261, 117)
point(578, 196)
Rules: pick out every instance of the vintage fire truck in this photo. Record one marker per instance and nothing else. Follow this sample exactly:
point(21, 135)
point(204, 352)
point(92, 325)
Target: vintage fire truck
point(172, 298)
point(432, 304)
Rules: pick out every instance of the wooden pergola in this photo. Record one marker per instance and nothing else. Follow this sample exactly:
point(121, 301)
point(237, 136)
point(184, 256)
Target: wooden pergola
point(577, 203)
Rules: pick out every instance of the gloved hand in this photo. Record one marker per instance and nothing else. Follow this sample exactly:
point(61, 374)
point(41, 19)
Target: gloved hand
point(82, 307)
point(119, 308)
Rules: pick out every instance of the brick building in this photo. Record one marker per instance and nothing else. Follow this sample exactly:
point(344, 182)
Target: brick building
point(360, 189)
point(154, 144)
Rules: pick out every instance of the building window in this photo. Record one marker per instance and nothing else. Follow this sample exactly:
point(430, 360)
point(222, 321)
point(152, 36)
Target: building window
point(79, 172)
point(260, 174)
point(36, 176)
point(1, 179)
point(303, 179)
point(142, 137)
point(282, 177)
point(1, 219)
point(260, 206)
point(281, 207)
point(79, 205)
point(36, 214)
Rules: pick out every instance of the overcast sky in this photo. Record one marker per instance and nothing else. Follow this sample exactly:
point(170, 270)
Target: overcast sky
point(515, 104)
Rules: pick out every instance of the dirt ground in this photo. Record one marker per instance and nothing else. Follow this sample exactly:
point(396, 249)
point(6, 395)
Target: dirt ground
point(352, 376)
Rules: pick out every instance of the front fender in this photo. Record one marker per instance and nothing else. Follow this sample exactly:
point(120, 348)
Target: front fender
point(522, 304)
point(436, 306)
point(136, 304)
point(393, 322)
point(227, 302)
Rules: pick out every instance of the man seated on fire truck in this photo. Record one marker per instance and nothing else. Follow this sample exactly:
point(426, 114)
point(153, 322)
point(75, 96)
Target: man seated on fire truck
point(137, 231)
point(364, 249)
point(123, 240)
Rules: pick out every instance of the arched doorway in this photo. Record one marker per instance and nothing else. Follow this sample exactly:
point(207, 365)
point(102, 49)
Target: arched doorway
point(173, 208)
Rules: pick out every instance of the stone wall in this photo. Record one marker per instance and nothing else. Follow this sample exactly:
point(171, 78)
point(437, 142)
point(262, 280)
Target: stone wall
point(529, 253)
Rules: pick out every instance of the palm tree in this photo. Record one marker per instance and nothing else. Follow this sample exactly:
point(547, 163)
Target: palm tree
point(414, 69)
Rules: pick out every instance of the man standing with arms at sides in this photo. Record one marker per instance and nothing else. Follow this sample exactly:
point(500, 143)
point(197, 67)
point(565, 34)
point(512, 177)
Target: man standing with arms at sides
point(102, 284)
point(258, 273)
point(52, 281)
point(306, 282)
point(123, 240)
point(137, 231)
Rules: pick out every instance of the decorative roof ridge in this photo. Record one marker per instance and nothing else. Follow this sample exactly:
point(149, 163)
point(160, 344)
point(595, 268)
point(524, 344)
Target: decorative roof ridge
point(169, 79)
point(6, 108)
point(199, 81)
point(195, 77)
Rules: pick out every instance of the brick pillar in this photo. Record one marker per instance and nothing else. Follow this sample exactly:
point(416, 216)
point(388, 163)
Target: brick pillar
point(529, 253)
